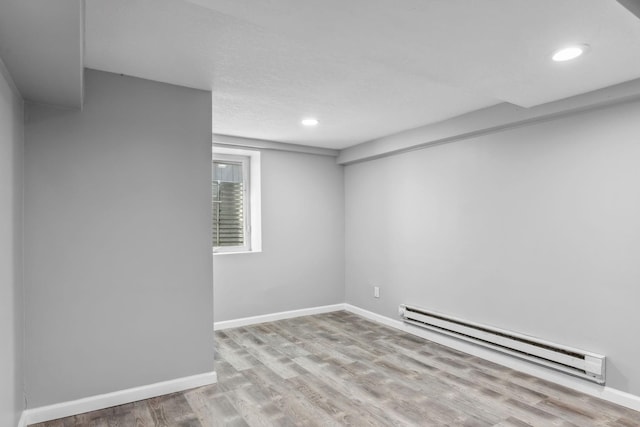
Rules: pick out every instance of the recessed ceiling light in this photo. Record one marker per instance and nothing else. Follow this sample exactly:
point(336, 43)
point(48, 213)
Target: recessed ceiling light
point(310, 122)
point(568, 53)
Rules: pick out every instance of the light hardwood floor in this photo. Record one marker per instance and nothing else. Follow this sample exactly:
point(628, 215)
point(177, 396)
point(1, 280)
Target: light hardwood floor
point(340, 369)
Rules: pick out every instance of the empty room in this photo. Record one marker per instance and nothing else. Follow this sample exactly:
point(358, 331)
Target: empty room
point(319, 213)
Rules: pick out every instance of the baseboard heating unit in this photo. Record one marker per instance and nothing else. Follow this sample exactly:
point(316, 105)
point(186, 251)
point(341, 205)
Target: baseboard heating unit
point(570, 360)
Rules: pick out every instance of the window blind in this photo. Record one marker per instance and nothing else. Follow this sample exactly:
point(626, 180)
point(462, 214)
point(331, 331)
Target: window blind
point(228, 213)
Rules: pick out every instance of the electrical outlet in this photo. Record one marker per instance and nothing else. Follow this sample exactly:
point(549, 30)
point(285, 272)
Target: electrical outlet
point(376, 292)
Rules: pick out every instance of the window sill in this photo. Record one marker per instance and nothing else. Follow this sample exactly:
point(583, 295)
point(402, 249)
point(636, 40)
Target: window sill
point(236, 252)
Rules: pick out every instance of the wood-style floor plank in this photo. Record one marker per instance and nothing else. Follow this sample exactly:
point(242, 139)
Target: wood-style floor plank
point(339, 369)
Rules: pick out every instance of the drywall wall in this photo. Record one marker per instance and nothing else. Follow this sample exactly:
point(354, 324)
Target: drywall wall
point(533, 229)
point(302, 260)
point(11, 284)
point(118, 261)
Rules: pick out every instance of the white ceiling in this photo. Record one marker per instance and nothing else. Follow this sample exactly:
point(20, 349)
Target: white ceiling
point(364, 68)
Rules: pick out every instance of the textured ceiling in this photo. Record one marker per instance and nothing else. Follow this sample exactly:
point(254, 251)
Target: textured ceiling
point(497, 48)
point(364, 68)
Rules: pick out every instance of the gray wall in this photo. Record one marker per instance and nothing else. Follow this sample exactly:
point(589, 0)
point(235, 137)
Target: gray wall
point(117, 239)
point(533, 230)
point(302, 260)
point(11, 288)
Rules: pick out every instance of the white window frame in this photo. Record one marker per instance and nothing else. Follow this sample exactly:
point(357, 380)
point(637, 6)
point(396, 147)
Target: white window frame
point(252, 198)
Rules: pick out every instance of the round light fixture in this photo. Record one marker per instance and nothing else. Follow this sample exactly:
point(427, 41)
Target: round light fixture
point(568, 53)
point(309, 122)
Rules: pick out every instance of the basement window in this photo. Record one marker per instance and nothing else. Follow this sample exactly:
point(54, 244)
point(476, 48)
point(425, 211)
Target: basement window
point(235, 200)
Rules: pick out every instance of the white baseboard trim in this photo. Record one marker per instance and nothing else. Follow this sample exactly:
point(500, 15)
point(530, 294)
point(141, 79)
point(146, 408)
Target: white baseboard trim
point(101, 401)
point(246, 321)
point(22, 422)
point(610, 394)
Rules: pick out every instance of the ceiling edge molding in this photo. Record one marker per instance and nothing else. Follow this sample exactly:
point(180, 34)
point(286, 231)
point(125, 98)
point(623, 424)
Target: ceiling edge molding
point(261, 144)
point(486, 121)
